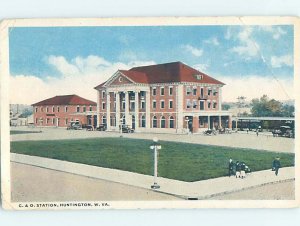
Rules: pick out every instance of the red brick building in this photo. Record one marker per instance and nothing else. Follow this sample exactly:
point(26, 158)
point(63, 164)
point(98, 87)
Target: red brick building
point(58, 111)
point(171, 97)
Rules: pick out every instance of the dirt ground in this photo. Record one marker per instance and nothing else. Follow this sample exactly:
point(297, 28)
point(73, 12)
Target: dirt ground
point(30, 183)
point(279, 191)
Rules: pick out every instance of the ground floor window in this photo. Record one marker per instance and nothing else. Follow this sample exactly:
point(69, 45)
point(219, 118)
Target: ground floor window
point(163, 122)
point(143, 121)
point(104, 119)
point(154, 122)
point(171, 122)
point(113, 121)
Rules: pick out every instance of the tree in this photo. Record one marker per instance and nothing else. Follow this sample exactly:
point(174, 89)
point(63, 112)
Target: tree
point(272, 108)
point(225, 107)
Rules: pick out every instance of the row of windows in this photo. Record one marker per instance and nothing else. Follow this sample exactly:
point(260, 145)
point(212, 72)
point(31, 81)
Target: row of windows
point(194, 90)
point(53, 121)
point(57, 109)
point(162, 91)
point(193, 104)
point(132, 105)
point(155, 121)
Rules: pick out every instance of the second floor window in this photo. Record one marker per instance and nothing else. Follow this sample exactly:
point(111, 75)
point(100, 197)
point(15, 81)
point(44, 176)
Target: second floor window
point(188, 104)
point(78, 109)
point(103, 105)
point(208, 105)
point(170, 91)
point(195, 91)
point(91, 108)
point(66, 108)
point(57, 109)
point(154, 104)
point(162, 91)
point(153, 91)
point(214, 104)
point(188, 90)
point(171, 104)
point(84, 109)
point(162, 104)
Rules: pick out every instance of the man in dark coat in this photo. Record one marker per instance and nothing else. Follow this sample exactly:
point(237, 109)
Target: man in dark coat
point(230, 167)
point(276, 165)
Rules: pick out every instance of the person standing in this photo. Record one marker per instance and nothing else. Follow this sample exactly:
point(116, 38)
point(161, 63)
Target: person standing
point(237, 169)
point(243, 170)
point(230, 167)
point(276, 165)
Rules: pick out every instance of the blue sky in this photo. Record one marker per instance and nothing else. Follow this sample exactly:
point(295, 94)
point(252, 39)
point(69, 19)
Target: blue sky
point(221, 51)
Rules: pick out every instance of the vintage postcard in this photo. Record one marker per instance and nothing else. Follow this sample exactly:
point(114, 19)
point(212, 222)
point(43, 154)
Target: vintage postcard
point(138, 113)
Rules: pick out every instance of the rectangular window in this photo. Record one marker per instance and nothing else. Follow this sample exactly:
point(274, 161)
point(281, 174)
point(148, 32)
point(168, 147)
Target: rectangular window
point(208, 105)
point(132, 106)
point(53, 109)
point(162, 91)
point(170, 91)
point(214, 104)
point(215, 92)
point(143, 105)
point(154, 104)
point(91, 108)
point(66, 108)
point(47, 109)
point(209, 91)
point(57, 109)
point(201, 105)
point(188, 90)
point(154, 91)
point(162, 104)
point(194, 104)
point(36, 120)
point(103, 94)
point(103, 105)
point(53, 121)
point(78, 109)
point(195, 91)
point(123, 104)
point(47, 120)
point(42, 110)
point(170, 104)
point(84, 108)
point(36, 109)
point(188, 104)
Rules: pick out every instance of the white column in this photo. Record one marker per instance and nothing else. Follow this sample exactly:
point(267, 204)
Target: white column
point(136, 109)
point(98, 108)
point(127, 116)
point(220, 99)
point(179, 108)
point(148, 109)
point(117, 110)
point(108, 110)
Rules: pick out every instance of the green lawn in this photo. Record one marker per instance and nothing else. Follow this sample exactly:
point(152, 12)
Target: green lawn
point(13, 132)
point(181, 161)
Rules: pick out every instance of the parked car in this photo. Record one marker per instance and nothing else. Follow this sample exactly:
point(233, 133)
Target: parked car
point(74, 125)
point(127, 129)
point(283, 131)
point(102, 127)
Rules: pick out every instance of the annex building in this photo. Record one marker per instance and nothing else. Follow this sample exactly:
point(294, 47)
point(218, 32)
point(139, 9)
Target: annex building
point(171, 97)
point(58, 111)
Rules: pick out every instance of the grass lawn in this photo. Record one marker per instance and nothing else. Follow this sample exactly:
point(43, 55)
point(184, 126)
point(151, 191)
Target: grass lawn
point(13, 132)
point(180, 161)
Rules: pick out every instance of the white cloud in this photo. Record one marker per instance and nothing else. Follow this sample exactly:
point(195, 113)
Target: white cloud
point(193, 50)
point(214, 41)
point(286, 60)
point(276, 32)
point(201, 67)
point(248, 47)
point(79, 76)
point(255, 86)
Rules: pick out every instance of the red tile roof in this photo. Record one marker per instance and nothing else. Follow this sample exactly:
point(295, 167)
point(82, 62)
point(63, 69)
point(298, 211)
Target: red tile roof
point(166, 73)
point(65, 100)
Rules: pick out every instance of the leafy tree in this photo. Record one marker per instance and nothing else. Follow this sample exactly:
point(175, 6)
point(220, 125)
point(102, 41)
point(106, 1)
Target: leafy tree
point(266, 107)
point(225, 107)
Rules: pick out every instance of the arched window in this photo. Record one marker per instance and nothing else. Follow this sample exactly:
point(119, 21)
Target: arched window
point(143, 121)
point(162, 122)
point(171, 122)
point(154, 122)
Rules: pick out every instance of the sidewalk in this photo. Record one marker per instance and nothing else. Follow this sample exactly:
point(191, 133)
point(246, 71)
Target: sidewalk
point(187, 190)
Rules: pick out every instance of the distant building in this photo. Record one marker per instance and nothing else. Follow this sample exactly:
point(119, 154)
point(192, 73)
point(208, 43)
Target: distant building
point(171, 97)
point(58, 111)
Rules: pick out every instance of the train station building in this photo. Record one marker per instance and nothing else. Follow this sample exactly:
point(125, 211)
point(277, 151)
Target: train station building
point(171, 97)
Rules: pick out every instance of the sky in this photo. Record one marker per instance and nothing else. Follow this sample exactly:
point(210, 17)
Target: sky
point(250, 60)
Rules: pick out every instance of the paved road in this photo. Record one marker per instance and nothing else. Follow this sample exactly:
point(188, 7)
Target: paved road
point(242, 140)
point(30, 183)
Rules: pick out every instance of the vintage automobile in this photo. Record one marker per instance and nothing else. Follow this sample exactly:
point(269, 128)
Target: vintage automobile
point(74, 125)
point(127, 129)
point(283, 131)
point(102, 127)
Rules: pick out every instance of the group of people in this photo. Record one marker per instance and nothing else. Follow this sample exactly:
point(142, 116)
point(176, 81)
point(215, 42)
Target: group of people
point(239, 169)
